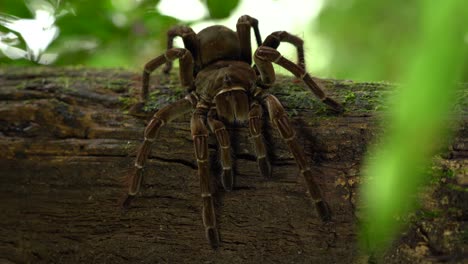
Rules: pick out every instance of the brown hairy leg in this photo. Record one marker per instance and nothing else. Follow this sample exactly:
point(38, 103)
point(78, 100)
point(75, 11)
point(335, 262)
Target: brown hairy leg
point(160, 118)
point(185, 70)
point(264, 56)
point(255, 129)
point(274, 39)
point(281, 122)
point(222, 136)
point(188, 37)
point(200, 143)
point(244, 24)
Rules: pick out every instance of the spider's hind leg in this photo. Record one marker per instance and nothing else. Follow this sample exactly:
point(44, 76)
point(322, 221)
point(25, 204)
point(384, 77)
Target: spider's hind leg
point(185, 70)
point(244, 24)
point(264, 56)
point(274, 39)
point(189, 38)
point(222, 136)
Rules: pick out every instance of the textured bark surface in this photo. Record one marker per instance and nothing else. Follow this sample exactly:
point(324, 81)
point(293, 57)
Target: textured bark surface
point(67, 143)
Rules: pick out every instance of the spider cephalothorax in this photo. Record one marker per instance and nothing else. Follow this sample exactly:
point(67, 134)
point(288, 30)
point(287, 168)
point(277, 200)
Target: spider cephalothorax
point(223, 87)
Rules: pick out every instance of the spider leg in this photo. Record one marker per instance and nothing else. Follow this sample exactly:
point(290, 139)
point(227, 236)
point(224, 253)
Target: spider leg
point(274, 39)
point(281, 122)
point(222, 136)
point(185, 70)
point(160, 118)
point(200, 137)
point(189, 37)
point(255, 128)
point(244, 24)
point(264, 56)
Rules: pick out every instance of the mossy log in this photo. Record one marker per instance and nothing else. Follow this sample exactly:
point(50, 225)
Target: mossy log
point(68, 139)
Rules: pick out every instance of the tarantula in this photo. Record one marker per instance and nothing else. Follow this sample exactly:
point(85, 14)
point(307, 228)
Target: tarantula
point(223, 87)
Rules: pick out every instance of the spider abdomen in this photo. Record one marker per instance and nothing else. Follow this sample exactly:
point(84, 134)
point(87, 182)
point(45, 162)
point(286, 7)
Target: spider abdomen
point(218, 43)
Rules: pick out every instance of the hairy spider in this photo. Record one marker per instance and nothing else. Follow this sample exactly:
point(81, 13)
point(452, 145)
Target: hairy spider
point(223, 87)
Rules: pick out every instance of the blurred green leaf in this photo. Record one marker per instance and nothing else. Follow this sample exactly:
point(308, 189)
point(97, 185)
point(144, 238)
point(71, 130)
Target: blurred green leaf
point(221, 8)
point(418, 121)
point(16, 8)
point(367, 37)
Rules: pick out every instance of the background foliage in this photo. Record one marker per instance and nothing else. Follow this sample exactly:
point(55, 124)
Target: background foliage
point(364, 39)
point(368, 37)
point(419, 119)
point(103, 33)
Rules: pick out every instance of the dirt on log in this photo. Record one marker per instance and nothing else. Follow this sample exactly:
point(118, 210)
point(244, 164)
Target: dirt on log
point(68, 139)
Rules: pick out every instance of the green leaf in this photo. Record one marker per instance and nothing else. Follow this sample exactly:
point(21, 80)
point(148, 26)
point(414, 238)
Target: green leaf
point(418, 122)
point(221, 8)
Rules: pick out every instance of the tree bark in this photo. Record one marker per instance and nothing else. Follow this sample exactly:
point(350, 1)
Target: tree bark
point(68, 139)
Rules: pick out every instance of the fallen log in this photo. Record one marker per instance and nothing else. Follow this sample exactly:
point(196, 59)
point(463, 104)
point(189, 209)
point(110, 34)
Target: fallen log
point(68, 138)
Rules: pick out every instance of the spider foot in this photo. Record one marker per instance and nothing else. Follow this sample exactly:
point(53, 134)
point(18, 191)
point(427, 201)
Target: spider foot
point(126, 203)
point(137, 109)
point(337, 107)
point(212, 236)
point(167, 69)
point(265, 167)
point(323, 210)
point(227, 179)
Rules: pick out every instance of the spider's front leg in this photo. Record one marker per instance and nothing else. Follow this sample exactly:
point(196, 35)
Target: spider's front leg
point(200, 143)
point(280, 121)
point(255, 129)
point(222, 136)
point(160, 118)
